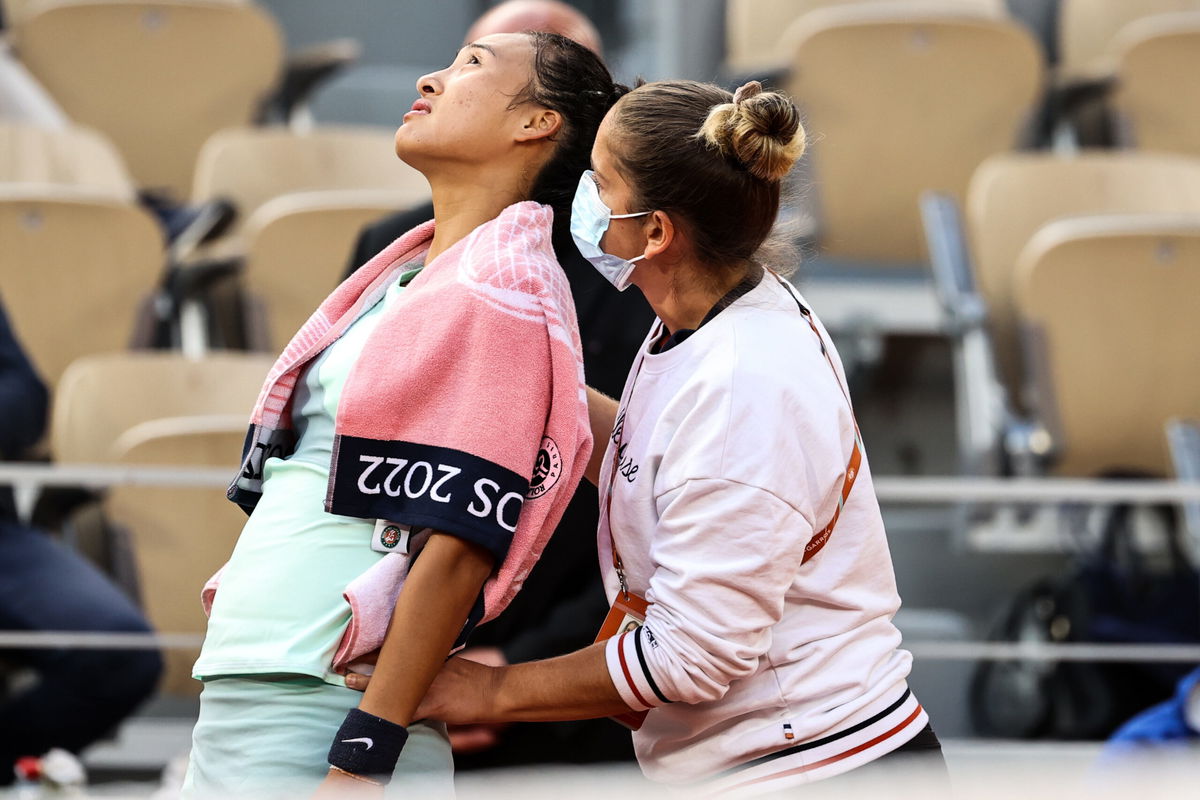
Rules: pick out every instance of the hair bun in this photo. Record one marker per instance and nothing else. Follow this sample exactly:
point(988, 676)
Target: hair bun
point(760, 130)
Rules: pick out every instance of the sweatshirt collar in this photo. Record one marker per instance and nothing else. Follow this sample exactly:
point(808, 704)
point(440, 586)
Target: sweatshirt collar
point(744, 286)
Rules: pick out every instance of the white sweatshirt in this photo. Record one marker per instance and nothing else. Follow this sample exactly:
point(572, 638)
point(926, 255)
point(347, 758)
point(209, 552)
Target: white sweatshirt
point(762, 673)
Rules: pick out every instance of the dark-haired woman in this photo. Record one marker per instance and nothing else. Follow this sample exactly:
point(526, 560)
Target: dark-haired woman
point(411, 449)
point(738, 516)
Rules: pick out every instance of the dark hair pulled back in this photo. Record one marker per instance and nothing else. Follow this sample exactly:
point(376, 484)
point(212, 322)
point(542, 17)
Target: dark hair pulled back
point(711, 159)
point(572, 80)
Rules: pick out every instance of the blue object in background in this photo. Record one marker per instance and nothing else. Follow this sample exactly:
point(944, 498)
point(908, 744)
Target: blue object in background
point(1176, 721)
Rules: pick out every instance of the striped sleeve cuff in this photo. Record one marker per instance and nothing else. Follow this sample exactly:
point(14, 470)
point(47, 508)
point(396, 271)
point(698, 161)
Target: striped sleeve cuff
point(630, 673)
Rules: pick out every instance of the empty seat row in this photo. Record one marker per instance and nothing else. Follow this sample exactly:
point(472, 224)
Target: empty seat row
point(1069, 280)
point(81, 257)
point(760, 34)
point(157, 78)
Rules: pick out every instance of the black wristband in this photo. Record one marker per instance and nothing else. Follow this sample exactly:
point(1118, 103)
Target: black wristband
point(368, 745)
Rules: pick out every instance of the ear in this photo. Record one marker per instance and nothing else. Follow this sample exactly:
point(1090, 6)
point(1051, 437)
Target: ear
point(540, 123)
point(660, 233)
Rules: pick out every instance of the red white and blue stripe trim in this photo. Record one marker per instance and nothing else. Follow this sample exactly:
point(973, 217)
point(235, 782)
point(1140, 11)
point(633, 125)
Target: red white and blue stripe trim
point(867, 736)
point(630, 673)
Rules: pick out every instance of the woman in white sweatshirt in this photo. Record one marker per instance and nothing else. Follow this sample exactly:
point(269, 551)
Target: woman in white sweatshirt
point(736, 497)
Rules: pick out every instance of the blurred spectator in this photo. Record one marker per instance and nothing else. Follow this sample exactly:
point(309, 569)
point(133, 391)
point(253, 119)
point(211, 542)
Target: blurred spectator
point(563, 602)
point(79, 695)
point(550, 16)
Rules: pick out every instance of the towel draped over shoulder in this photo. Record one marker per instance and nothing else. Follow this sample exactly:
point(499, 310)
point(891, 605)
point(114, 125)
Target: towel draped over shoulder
point(465, 413)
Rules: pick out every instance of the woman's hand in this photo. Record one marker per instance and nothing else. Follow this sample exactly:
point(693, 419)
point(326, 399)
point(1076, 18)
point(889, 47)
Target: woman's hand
point(574, 686)
point(338, 784)
point(464, 739)
point(462, 693)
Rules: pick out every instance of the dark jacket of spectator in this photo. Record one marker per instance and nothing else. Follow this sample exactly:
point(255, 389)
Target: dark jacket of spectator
point(80, 695)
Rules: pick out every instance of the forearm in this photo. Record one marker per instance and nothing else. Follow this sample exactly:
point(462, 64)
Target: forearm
point(433, 606)
point(574, 686)
point(602, 414)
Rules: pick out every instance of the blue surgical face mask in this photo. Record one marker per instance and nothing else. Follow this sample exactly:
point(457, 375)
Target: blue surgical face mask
point(589, 221)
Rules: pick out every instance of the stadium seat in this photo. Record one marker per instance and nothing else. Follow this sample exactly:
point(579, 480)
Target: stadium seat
point(158, 77)
point(1013, 195)
point(1088, 29)
point(1159, 107)
point(163, 408)
point(101, 398)
point(755, 29)
point(71, 157)
point(1108, 306)
point(74, 269)
point(900, 102)
point(250, 166)
point(296, 253)
point(179, 536)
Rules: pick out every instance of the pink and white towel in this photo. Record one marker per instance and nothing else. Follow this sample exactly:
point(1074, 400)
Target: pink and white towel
point(465, 413)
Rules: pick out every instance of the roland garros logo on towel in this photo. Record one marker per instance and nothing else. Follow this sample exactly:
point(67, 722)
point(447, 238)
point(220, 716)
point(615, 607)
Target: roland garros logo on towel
point(547, 469)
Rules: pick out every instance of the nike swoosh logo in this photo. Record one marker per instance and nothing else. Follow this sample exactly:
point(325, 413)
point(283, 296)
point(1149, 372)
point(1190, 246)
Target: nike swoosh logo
point(368, 742)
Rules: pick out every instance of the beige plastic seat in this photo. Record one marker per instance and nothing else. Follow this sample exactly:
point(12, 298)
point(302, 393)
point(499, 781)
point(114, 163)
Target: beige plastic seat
point(1013, 195)
point(1109, 305)
point(899, 103)
point(74, 268)
point(162, 408)
point(180, 536)
point(253, 165)
point(71, 157)
point(102, 398)
point(1088, 29)
point(1160, 107)
point(158, 77)
point(297, 246)
point(754, 29)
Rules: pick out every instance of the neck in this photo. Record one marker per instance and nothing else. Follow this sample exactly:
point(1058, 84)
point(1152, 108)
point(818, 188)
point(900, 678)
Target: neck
point(683, 294)
point(462, 205)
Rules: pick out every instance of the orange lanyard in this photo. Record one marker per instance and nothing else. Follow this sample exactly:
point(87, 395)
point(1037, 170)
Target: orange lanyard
point(818, 541)
point(852, 467)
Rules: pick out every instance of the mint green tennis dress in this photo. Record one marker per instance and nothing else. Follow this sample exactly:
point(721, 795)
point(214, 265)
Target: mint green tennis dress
point(271, 702)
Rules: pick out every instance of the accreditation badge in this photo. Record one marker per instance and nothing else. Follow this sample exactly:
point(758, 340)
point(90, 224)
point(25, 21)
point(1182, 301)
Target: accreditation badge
point(627, 614)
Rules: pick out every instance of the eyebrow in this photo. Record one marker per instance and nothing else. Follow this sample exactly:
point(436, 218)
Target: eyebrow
point(484, 47)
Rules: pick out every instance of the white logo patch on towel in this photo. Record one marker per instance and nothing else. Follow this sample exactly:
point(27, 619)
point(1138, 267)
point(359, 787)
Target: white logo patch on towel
point(390, 537)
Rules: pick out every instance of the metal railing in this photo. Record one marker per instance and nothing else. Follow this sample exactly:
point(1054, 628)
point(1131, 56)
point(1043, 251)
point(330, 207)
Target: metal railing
point(26, 479)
